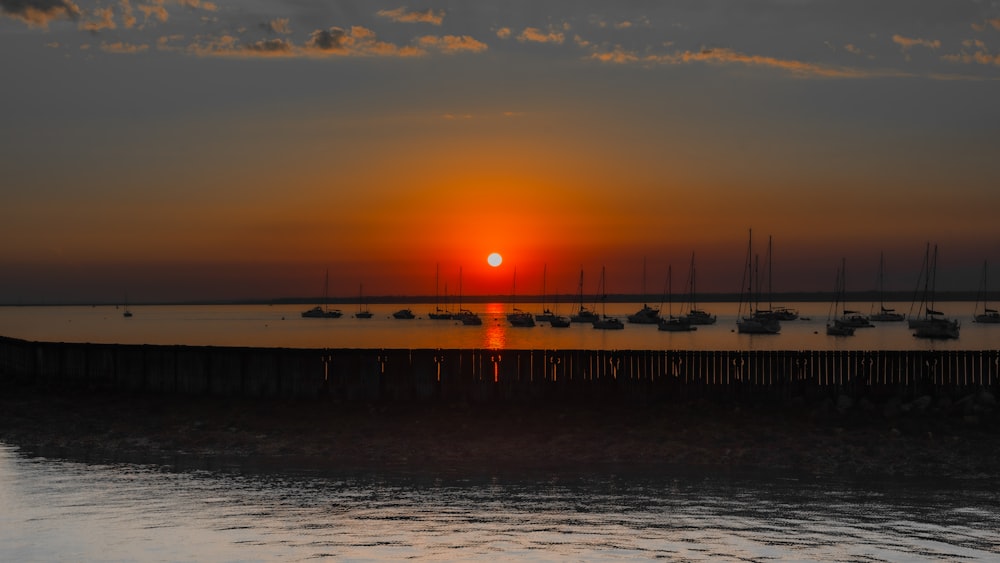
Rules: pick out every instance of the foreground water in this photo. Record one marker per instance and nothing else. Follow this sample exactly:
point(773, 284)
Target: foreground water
point(53, 510)
point(282, 326)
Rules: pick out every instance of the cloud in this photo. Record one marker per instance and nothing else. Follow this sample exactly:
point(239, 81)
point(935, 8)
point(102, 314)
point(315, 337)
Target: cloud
point(154, 11)
point(722, 56)
point(198, 4)
point(105, 20)
point(277, 26)
point(450, 44)
point(123, 48)
point(357, 41)
point(38, 13)
point(535, 35)
point(402, 16)
point(504, 33)
point(979, 54)
point(907, 43)
point(128, 18)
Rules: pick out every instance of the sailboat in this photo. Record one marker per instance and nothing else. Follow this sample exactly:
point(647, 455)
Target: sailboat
point(931, 324)
point(777, 313)
point(752, 322)
point(439, 314)
point(605, 322)
point(128, 313)
point(672, 323)
point(323, 312)
point(363, 312)
point(849, 318)
point(884, 314)
point(988, 316)
point(647, 315)
point(695, 315)
point(584, 315)
point(518, 317)
point(467, 317)
point(834, 326)
point(548, 316)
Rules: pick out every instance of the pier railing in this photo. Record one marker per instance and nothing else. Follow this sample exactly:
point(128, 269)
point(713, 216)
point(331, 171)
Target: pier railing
point(490, 375)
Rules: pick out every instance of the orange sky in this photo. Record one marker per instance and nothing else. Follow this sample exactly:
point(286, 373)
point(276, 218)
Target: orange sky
point(227, 151)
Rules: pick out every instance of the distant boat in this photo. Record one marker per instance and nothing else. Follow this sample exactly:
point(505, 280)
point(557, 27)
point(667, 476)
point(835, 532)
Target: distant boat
point(773, 313)
point(931, 323)
point(849, 318)
point(547, 315)
point(467, 317)
point(439, 314)
point(671, 323)
point(751, 321)
point(647, 315)
point(584, 315)
point(404, 314)
point(517, 317)
point(605, 322)
point(833, 325)
point(363, 312)
point(323, 312)
point(988, 316)
point(884, 314)
point(128, 313)
point(695, 315)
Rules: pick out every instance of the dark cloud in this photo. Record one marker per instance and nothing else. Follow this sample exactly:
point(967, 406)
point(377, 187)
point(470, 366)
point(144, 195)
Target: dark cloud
point(39, 12)
point(333, 39)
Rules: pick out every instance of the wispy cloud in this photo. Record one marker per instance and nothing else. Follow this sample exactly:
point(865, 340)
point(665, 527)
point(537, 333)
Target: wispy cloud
point(123, 48)
point(536, 35)
point(974, 52)
point(907, 43)
point(450, 44)
point(403, 16)
point(38, 13)
point(724, 56)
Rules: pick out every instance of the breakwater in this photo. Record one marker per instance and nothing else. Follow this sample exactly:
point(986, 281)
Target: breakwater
point(490, 375)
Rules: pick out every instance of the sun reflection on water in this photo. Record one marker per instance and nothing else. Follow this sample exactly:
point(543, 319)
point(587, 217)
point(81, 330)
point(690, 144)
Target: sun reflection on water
point(495, 335)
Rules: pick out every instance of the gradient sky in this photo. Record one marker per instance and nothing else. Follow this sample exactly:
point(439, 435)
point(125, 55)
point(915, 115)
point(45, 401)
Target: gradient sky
point(185, 149)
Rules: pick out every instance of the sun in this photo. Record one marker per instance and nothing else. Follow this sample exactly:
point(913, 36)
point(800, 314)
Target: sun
point(494, 259)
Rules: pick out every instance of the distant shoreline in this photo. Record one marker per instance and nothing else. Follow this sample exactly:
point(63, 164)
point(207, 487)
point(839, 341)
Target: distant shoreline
point(589, 300)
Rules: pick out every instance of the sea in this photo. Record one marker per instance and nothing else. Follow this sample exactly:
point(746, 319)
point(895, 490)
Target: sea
point(282, 326)
point(59, 506)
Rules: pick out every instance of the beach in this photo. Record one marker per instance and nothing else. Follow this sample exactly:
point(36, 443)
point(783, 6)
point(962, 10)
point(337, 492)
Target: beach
point(945, 437)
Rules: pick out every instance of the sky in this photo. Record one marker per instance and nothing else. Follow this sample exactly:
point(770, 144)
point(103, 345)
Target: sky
point(174, 150)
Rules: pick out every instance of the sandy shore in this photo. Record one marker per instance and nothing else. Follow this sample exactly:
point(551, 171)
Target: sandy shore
point(938, 438)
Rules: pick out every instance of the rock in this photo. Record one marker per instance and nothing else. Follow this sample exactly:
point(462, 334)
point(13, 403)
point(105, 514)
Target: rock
point(844, 403)
point(892, 408)
point(986, 398)
point(920, 404)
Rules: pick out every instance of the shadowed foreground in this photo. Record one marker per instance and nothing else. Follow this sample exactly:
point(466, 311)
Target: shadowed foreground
point(940, 438)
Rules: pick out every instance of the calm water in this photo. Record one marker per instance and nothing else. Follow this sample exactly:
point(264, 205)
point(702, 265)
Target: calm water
point(52, 510)
point(282, 326)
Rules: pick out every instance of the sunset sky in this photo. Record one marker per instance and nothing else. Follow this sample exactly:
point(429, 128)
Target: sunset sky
point(184, 149)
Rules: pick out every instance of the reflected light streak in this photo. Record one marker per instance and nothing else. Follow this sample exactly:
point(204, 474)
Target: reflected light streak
point(495, 335)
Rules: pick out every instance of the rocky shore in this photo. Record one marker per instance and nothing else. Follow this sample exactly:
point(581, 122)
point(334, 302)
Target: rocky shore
point(952, 437)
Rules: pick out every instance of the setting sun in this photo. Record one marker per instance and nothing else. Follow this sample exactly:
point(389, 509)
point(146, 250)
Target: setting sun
point(494, 259)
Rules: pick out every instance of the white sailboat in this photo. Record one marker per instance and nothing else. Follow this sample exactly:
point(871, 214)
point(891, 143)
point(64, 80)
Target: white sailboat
point(834, 326)
point(363, 312)
point(751, 321)
point(647, 315)
point(695, 315)
point(517, 317)
point(323, 312)
point(670, 323)
point(929, 322)
point(605, 322)
point(884, 314)
point(988, 316)
point(584, 315)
